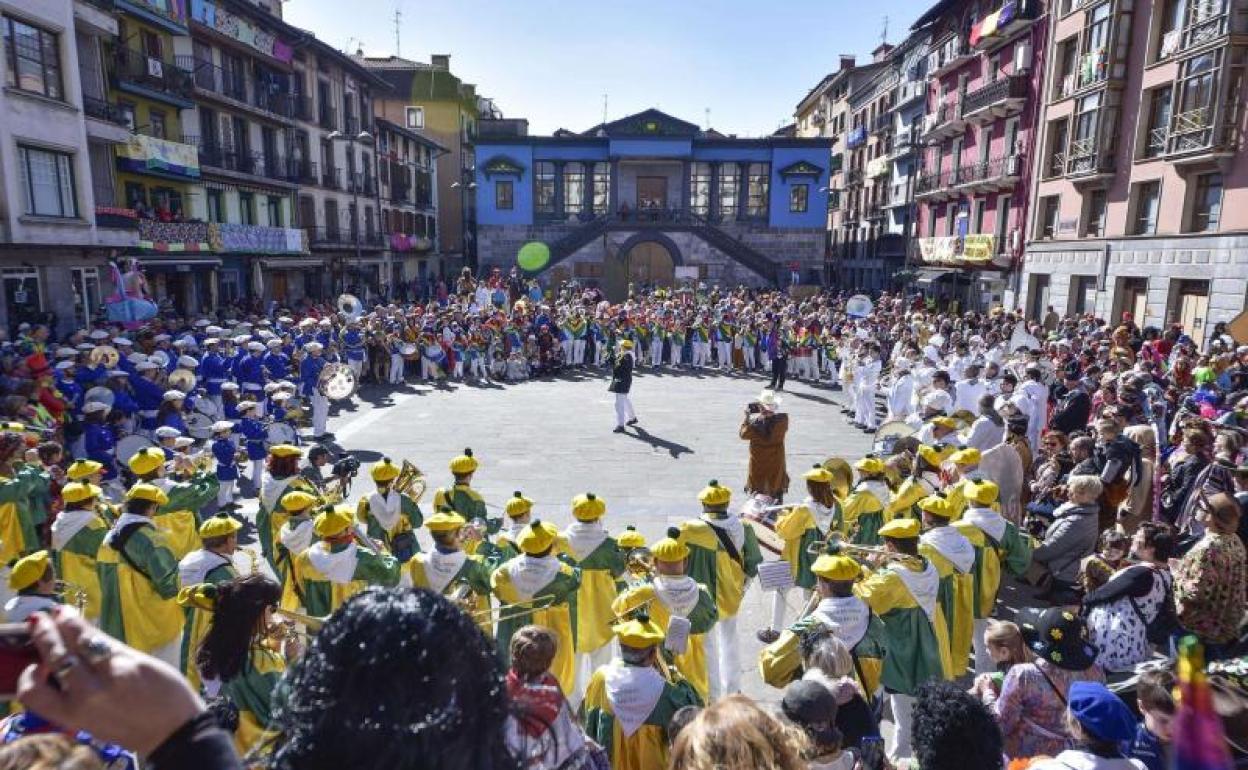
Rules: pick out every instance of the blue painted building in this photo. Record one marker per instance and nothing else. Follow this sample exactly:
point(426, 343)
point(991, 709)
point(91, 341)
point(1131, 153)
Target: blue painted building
point(651, 199)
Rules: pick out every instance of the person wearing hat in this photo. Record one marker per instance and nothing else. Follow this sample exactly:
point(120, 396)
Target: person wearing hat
point(249, 372)
point(225, 453)
point(1031, 708)
point(390, 516)
point(723, 556)
point(77, 533)
point(673, 599)
point(254, 437)
point(905, 595)
point(34, 580)
point(309, 378)
point(840, 612)
point(519, 510)
point(461, 497)
point(629, 702)
point(353, 346)
point(178, 517)
point(139, 579)
point(212, 368)
point(24, 491)
point(938, 429)
point(335, 568)
point(148, 393)
point(283, 477)
point(800, 529)
point(294, 537)
point(954, 558)
point(214, 564)
point(450, 571)
point(987, 430)
point(99, 441)
point(900, 391)
point(765, 429)
point(537, 579)
point(276, 362)
point(621, 384)
point(165, 436)
point(866, 379)
point(169, 414)
point(601, 562)
point(924, 480)
point(862, 513)
point(812, 707)
point(1099, 723)
point(963, 468)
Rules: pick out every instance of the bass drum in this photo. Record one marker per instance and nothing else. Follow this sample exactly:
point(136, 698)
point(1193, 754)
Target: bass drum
point(100, 394)
point(129, 446)
point(887, 435)
point(337, 382)
point(207, 407)
point(198, 425)
point(280, 433)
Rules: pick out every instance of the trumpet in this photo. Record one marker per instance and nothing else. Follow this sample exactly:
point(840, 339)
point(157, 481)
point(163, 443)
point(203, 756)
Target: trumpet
point(310, 622)
point(835, 543)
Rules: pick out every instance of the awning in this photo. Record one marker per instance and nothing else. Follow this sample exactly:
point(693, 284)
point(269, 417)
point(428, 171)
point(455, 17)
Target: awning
point(172, 262)
point(927, 277)
point(290, 264)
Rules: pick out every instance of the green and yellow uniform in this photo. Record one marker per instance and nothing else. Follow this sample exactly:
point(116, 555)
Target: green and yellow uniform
point(179, 518)
point(916, 635)
point(465, 501)
point(851, 621)
point(76, 537)
point(329, 573)
point(679, 596)
point(391, 516)
point(723, 552)
point(797, 527)
point(997, 542)
point(252, 691)
point(954, 558)
point(272, 514)
point(18, 535)
point(295, 537)
point(601, 562)
point(198, 568)
point(905, 502)
point(447, 571)
point(862, 513)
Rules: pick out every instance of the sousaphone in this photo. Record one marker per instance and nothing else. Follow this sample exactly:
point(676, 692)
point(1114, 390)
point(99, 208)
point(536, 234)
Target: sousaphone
point(107, 355)
point(350, 307)
point(842, 476)
point(182, 379)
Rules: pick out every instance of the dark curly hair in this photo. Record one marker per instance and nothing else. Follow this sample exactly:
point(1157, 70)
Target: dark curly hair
point(399, 679)
point(952, 730)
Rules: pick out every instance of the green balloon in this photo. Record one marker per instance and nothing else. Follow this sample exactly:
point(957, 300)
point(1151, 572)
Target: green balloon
point(533, 256)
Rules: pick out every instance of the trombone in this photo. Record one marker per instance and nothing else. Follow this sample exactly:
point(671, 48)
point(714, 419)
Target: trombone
point(310, 622)
point(513, 611)
point(835, 543)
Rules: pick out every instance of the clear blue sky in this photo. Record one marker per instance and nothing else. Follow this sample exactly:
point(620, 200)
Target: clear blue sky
point(551, 62)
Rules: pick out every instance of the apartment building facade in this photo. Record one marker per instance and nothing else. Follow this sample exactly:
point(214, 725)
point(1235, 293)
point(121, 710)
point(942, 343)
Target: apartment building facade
point(909, 64)
point(408, 174)
point(984, 89)
point(1140, 193)
point(866, 258)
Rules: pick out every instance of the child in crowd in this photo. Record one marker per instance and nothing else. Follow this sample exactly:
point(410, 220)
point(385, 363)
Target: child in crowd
point(1152, 738)
point(1111, 556)
point(1007, 647)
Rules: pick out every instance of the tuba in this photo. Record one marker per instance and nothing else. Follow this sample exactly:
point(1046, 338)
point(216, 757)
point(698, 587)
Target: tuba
point(350, 306)
point(410, 482)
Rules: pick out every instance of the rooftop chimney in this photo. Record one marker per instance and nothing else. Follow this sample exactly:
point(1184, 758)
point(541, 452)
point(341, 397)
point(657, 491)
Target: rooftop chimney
point(847, 61)
point(440, 61)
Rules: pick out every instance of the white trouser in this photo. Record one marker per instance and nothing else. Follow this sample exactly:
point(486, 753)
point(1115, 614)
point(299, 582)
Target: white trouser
point(600, 353)
point(830, 366)
point(356, 366)
point(396, 369)
point(700, 352)
point(623, 409)
point(675, 353)
point(225, 493)
point(567, 351)
point(257, 473)
point(865, 408)
point(779, 603)
point(459, 368)
point(578, 352)
point(170, 653)
point(428, 369)
point(586, 664)
point(983, 660)
point(903, 716)
point(723, 658)
point(656, 353)
point(220, 404)
point(748, 353)
point(725, 355)
point(320, 413)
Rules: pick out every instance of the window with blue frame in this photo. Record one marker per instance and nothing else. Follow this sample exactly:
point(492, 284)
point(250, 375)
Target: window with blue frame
point(602, 188)
point(758, 187)
point(799, 198)
point(504, 199)
point(700, 189)
point(573, 188)
point(729, 184)
point(544, 188)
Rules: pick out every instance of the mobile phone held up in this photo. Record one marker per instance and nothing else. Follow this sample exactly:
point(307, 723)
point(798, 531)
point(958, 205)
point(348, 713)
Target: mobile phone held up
point(16, 653)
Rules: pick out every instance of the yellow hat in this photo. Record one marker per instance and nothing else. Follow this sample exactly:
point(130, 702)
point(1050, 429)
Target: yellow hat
point(929, 455)
point(670, 548)
point(818, 474)
point(714, 495)
point(285, 450)
point(28, 570)
point(80, 469)
point(77, 491)
point(968, 456)
point(444, 522)
point(464, 464)
point(836, 567)
point(219, 526)
point(588, 507)
point(901, 528)
point(626, 344)
point(983, 492)
point(518, 505)
point(639, 634)
point(537, 537)
point(937, 506)
point(201, 596)
point(148, 492)
point(146, 460)
point(630, 538)
point(332, 522)
point(296, 501)
point(944, 422)
point(870, 465)
point(384, 471)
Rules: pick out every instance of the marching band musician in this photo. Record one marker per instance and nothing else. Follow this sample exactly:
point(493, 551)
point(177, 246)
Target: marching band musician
point(674, 597)
point(254, 435)
point(335, 568)
point(34, 579)
point(178, 517)
point(461, 497)
point(801, 527)
point(139, 579)
point(938, 430)
point(226, 456)
point(295, 537)
point(77, 533)
point(601, 562)
point(862, 513)
point(841, 612)
point(99, 442)
point(212, 564)
point(997, 542)
point(309, 379)
point(249, 371)
point(964, 465)
point(954, 559)
point(866, 377)
point(630, 702)
point(283, 477)
point(904, 596)
point(924, 480)
point(519, 510)
point(547, 586)
point(723, 555)
point(353, 345)
point(447, 568)
point(394, 343)
point(900, 391)
point(389, 516)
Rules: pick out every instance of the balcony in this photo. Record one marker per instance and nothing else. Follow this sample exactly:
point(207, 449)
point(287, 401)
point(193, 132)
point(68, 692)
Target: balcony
point(400, 193)
point(102, 109)
point(257, 239)
point(945, 122)
point(853, 176)
point(222, 155)
point(232, 85)
point(992, 175)
point(879, 167)
point(882, 124)
point(281, 169)
point(329, 236)
point(1055, 166)
point(933, 186)
point(327, 117)
point(169, 81)
point(169, 16)
point(1207, 22)
point(1089, 161)
point(898, 194)
point(875, 212)
point(999, 99)
point(1197, 135)
point(856, 137)
point(363, 184)
point(1155, 144)
point(906, 141)
point(331, 178)
point(302, 106)
point(116, 218)
point(306, 172)
point(1002, 24)
point(910, 91)
point(952, 54)
point(353, 125)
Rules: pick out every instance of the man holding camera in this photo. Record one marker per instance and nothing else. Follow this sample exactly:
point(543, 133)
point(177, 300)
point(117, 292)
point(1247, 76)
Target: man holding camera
point(765, 429)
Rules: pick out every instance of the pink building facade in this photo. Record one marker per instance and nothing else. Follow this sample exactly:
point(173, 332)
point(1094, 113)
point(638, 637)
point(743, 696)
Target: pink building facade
point(985, 76)
point(1141, 194)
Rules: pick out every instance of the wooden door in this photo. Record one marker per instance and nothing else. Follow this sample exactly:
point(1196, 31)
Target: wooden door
point(651, 192)
point(1193, 310)
point(277, 285)
point(650, 264)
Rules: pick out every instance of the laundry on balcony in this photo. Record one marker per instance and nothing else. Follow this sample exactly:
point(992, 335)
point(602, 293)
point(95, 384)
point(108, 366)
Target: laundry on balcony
point(878, 167)
point(173, 237)
point(220, 20)
point(403, 242)
point(1092, 67)
point(147, 153)
point(256, 239)
point(971, 250)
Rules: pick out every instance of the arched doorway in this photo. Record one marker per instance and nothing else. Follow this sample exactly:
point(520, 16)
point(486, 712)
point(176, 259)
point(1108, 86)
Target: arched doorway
point(650, 264)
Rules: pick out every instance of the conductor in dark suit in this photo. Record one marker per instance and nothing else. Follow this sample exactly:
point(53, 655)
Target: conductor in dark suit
point(621, 384)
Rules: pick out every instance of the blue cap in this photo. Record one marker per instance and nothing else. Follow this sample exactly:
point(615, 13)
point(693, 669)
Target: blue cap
point(1100, 712)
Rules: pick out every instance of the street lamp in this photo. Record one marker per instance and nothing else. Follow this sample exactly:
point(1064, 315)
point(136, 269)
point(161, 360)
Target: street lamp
point(363, 138)
point(463, 188)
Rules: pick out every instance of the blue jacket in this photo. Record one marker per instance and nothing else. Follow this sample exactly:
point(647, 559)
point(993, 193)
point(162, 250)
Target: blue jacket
point(250, 370)
point(353, 341)
point(277, 365)
point(100, 444)
point(309, 374)
point(223, 452)
point(253, 430)
point(212, 370)
point(174, 420)
point(124, 402)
